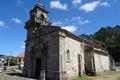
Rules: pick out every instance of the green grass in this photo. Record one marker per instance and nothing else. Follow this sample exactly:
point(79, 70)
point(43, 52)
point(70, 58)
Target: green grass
point(99, 75)
point(107, 73)
point(83, 78)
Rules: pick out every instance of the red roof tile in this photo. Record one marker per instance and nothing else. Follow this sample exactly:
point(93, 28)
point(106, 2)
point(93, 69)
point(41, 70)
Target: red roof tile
point(21, 55)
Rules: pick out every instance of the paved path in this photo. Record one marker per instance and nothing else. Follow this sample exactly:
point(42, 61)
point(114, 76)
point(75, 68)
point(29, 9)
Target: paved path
point(12, 76)
point(15, 78)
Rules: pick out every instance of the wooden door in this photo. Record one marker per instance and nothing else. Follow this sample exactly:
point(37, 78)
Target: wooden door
point(79, 64)
point(38, 68)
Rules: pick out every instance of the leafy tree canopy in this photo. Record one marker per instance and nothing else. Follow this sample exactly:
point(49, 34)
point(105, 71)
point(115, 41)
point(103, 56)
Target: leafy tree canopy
point(109, 37)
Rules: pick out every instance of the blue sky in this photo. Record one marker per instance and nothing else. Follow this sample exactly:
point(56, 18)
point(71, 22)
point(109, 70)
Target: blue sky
point(77, 16)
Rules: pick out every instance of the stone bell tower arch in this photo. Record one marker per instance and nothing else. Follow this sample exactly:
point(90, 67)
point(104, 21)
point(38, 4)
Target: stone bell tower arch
point(39, 14)
point(38, 19)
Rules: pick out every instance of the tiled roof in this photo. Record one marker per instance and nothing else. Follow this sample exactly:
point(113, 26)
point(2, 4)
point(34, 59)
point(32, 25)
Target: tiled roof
point(21, 55)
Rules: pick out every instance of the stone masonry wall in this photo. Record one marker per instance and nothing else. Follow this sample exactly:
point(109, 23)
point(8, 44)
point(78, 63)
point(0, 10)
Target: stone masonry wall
point(102, 62)
point(52, 56)
point(69, 68)
point(52, 42)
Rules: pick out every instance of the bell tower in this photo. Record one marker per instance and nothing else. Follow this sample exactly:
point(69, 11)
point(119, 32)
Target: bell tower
point(39, 14)
point(42, 40)
point(35, 28)
point(38, 19)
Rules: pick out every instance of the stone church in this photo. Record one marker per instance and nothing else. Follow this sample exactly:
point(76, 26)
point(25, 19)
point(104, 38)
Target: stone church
point(53, 53)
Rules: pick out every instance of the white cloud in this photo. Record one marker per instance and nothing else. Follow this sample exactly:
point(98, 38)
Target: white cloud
point(23, 45)
point(16, 20)
point(84, 22)
point(19, 1)
point(71, 23)
point(76, 18)
point(66, 19)
point(89, 7)
point(2, 24)
point(70, 28)
point(76, 2)
point(105, 4)
point(58, 5)
point(57, 23)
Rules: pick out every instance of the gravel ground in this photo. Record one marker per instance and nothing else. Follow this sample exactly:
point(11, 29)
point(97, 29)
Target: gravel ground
point(15, 78)
point(12, 76)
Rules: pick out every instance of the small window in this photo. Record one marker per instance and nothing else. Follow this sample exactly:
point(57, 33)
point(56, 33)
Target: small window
point(81, 45)
point(82, 48)
point(42, 17)
point(68, 55)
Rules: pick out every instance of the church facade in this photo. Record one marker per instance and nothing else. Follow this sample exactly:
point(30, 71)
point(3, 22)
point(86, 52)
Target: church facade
point(53, 53)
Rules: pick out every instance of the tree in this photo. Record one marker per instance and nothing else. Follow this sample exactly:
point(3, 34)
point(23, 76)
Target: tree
point(109, 38)
point(13, 62)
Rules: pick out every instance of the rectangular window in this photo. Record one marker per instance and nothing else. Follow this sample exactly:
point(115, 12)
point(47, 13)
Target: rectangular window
point(68, 56)
point(82, 48)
